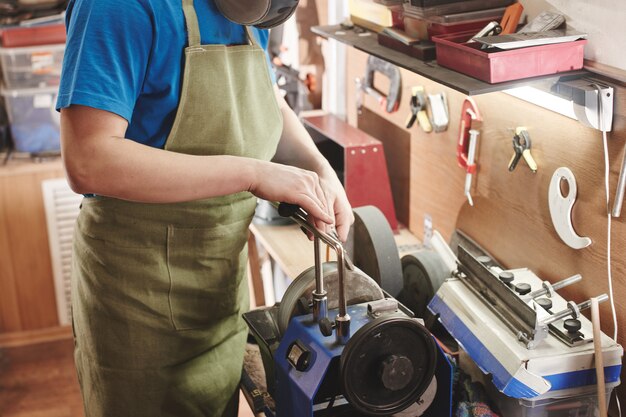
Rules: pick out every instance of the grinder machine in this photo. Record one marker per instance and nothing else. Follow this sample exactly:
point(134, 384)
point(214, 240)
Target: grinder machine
point(339, 345)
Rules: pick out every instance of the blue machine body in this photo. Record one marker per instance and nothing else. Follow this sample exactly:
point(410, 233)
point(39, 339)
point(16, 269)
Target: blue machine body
point(296, 391)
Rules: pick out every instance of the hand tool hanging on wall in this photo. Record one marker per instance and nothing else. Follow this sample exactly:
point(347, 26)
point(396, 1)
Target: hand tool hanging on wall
point(561, 208)
point(418, 110)
point(391, 101)
point(466, 146)
point(521, 147)
point(437, 108)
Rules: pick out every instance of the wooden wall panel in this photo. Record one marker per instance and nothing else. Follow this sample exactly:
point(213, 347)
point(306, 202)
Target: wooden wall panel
point(26, 283)
point(511, 218)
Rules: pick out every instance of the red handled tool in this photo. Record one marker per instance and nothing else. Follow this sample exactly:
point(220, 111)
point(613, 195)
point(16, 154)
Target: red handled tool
point(466, 146)
point(511, 18)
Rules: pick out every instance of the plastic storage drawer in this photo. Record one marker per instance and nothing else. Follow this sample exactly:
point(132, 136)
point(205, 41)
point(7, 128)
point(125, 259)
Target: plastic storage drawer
point(33, 120)
point(32, 66)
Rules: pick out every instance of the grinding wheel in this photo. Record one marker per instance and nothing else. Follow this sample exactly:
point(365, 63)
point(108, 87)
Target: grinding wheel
point(374, 249)
point(359, 289)
point(387, 365)
point(423, 273)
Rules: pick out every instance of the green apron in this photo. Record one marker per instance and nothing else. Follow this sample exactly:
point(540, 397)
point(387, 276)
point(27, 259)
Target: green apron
point(158, 289)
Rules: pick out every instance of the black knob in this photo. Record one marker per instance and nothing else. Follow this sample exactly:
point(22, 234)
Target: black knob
point(326, 326)
point(572, 325)
point(396, 372)
point(522, 288)
point(546, 303)
point(506, 277)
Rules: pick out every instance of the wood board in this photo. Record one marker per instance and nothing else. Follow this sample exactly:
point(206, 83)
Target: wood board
point(511, 217)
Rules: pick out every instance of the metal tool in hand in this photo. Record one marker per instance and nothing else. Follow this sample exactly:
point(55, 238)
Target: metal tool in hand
point(418, 110)
point(466, 145)
point(521, 147)
point(320, 303)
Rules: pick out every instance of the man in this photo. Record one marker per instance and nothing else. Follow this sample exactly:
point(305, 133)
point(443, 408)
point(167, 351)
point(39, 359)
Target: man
point(170, 125)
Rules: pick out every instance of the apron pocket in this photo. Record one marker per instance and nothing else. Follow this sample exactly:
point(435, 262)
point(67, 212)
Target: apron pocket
point(205, 271)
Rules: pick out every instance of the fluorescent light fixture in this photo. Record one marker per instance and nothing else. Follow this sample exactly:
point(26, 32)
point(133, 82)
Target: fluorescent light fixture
point(575, 98)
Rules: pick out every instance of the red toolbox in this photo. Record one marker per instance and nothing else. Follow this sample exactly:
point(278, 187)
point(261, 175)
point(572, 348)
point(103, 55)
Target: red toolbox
point(499, 65)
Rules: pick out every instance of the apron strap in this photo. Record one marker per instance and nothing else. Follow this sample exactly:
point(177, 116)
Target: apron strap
point(191, 21)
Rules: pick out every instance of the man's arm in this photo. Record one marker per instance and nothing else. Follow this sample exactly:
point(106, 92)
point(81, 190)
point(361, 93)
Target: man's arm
point(99, 160)
point(296, 148)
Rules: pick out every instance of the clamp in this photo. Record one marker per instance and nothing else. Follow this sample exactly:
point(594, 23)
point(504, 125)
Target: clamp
point(466, 145)
point(418, 106)
point(391, 101)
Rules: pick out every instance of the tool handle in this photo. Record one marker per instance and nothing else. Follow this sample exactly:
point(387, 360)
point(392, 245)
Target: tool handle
point(511, 17)
point(424, 121)
point(298, 214)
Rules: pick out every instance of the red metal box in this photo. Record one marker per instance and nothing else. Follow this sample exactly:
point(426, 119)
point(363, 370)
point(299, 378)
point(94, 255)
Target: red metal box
point(513, 64)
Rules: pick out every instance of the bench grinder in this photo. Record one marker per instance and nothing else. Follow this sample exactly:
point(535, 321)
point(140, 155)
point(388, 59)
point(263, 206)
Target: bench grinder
point(338, 345)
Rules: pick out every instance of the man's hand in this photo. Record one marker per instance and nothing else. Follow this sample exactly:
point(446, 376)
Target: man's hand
point(288, 184)
point(337, 203)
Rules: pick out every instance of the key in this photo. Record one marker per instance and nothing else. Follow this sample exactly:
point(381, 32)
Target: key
point(528, 157)
point(515, 158)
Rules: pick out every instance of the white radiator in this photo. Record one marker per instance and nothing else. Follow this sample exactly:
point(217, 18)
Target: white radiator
point(62, 207)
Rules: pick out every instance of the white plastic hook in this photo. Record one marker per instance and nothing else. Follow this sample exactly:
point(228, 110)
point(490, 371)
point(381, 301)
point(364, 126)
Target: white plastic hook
point(561, 208)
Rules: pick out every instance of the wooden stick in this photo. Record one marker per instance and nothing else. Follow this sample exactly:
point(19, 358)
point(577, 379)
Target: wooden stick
point(599, 360)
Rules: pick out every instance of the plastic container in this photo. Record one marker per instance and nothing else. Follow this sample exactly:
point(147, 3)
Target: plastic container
point(31, 36)
point(33, 120)
point(463, 22)
point(514, 64)
point(423, 8)
point(32, 66)
point(583, 404)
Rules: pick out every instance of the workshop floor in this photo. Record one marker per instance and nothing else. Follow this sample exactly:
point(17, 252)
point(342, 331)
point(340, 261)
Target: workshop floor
point(40, 381)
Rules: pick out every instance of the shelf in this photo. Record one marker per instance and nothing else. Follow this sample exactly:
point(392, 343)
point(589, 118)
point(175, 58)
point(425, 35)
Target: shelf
point(368, 43)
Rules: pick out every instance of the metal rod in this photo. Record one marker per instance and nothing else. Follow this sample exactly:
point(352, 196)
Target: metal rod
point(320, 302)
point(319, 276)
point(619, 193)
point(574, 310)
point(567, 281)
point(471, 154)
point(342, 274)
point(549, 288)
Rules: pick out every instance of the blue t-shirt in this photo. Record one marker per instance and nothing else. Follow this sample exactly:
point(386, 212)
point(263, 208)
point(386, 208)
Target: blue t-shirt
point(127, 57)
